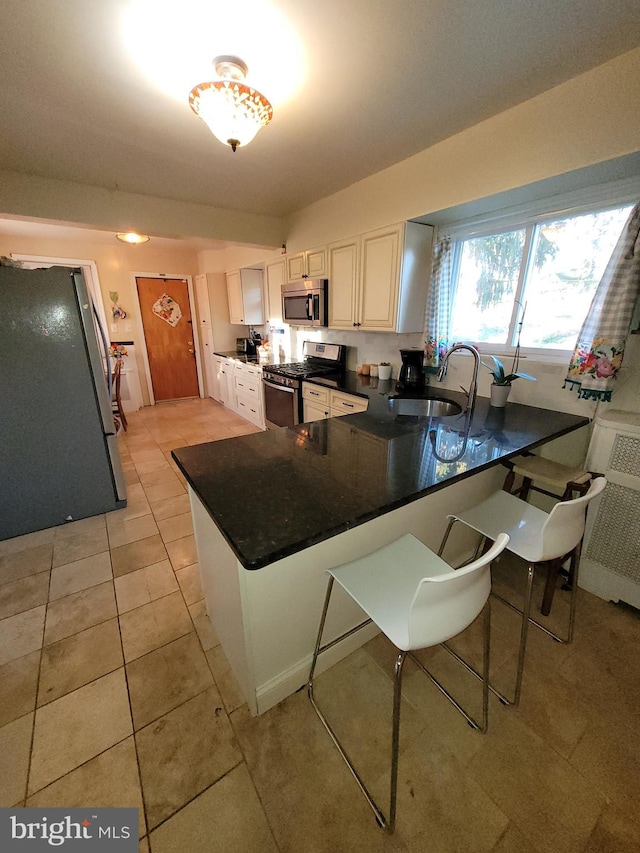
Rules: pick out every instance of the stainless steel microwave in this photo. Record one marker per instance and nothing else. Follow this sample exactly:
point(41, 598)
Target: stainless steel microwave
point(304, 303)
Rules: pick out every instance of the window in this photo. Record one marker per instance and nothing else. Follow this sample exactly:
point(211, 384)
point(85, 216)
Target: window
point(537, 279)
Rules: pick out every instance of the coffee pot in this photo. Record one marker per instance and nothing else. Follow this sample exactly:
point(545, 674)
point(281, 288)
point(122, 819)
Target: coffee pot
point(411, 376)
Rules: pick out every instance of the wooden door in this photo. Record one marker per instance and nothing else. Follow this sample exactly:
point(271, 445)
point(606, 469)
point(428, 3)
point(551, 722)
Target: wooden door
point(168, 333)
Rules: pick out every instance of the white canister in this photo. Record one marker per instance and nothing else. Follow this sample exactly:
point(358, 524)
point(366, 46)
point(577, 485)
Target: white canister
point(384, 371)
point(373, 369)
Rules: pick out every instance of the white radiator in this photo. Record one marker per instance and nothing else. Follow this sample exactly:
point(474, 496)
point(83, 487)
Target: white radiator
point(610, 564)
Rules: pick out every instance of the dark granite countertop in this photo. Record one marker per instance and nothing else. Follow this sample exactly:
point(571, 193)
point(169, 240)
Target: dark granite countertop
point(275, 493)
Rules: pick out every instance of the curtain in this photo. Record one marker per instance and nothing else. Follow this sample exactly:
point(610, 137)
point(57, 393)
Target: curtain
point(599, 350)
point(438, 314)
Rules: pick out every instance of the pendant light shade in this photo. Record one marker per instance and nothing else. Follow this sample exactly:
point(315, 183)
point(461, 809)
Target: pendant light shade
point(233, 112)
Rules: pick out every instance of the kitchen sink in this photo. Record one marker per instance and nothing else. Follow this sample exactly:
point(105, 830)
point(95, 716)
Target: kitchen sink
point(428, 407)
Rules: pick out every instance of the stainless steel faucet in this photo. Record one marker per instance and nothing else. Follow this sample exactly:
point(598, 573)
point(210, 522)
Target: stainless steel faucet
point(473, 388)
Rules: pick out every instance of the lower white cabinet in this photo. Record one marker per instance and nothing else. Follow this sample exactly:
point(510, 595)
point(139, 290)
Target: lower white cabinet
point(224, 384)
point(322, 402)
point(249, 397)
point(315, 401)
point(208, 360)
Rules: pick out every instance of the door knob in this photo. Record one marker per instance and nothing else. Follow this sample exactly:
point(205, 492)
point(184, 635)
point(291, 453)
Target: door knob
point(191, 350)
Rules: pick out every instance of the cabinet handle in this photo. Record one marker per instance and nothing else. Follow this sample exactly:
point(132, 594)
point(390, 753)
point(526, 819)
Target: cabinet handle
point(357, 324)
point(348, 405)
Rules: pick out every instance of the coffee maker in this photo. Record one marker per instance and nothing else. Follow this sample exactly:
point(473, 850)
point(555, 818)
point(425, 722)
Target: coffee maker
point(411, 378)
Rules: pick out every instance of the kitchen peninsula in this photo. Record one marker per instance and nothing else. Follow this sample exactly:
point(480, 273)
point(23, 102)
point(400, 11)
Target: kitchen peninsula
point(272, 511)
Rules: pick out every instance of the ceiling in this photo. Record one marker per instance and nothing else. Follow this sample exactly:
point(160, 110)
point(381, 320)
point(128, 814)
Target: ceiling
point(377, 81)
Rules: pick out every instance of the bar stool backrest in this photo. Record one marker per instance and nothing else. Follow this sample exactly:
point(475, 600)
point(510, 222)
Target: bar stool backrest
point(444, 605)
point(564, 528)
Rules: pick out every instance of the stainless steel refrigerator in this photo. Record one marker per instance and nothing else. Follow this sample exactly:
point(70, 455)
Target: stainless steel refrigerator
point(59, 457)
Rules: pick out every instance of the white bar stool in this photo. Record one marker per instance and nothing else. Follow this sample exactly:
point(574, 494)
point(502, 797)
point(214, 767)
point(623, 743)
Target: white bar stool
point(418, 601)
point(536, 537)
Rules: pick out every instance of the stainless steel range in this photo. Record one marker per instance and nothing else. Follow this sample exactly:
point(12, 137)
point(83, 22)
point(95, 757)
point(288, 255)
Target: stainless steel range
point(283, 382)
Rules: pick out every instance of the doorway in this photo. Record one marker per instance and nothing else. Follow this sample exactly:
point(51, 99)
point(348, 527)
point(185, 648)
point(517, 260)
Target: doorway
point(165, 312)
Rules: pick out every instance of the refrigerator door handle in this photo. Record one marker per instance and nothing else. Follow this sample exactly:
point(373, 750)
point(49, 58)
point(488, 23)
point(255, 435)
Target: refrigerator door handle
point(105, 347)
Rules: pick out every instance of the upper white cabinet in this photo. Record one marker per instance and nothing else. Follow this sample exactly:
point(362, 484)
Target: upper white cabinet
point(244, 288)
point(309, 264)
point(344, 272)
point(275, 279)
point(379, 280)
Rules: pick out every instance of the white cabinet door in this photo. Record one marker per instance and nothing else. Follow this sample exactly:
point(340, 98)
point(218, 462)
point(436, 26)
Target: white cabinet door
point(343, 284)
point(275, 280)
point(296, 267)
point(202, 300)
point(244, 288)
point(219, 384)
point(316, 262)
point(315, 411)
point(226, 383)
point(210, 378)
point(309, 264)
point(380, 279)
point(234, 291)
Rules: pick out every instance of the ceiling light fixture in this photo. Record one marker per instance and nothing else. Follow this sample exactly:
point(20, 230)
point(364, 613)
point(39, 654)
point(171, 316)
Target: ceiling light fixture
point(132, 237)
point(233, 112)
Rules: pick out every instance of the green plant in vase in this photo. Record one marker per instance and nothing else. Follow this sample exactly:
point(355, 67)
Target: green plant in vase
point(501, 385)
point(502, 378)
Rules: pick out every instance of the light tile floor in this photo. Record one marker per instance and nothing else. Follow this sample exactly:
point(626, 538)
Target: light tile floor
point(114, 690)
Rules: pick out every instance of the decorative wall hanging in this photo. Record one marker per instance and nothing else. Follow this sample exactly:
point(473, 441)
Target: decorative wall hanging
point(168, 310)
point(116, 310)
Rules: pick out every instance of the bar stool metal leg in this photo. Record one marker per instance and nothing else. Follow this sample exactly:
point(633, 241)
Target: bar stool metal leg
point(387, 824)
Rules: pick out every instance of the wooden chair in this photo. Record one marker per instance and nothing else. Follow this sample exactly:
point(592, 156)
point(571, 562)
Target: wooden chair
point(537, 537)
point(558, 481)
point(116, 402)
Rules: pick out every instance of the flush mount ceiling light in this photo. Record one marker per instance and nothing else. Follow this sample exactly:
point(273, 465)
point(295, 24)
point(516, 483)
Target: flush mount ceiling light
point(132, 237)
point(233, 112)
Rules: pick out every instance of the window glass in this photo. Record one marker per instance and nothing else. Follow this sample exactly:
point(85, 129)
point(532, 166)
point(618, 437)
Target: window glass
point(569, 257)
point(542, 276)
point(489, 268)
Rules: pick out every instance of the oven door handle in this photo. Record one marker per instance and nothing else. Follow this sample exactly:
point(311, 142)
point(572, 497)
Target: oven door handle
point(279, 387)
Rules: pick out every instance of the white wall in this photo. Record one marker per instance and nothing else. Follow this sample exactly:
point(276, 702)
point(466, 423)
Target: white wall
point(588, 120)
point(113, 210)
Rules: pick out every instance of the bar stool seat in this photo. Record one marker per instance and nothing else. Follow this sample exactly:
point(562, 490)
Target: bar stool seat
point(562, 478)
point(418, 601)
